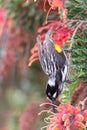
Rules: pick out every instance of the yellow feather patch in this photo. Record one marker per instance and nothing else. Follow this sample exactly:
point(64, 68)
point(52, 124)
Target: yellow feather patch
point(57, 48)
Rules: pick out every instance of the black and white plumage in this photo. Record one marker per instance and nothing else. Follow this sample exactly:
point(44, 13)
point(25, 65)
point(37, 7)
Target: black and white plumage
point(54, 64)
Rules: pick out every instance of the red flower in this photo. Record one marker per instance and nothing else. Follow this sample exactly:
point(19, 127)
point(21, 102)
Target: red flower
point(61, 35)
point(34, 54)
point(56, 3)
point(78, 125)
point(85, 115)
point(67, 118)
point(79, 117)
point(56, 122)
point(67, 108)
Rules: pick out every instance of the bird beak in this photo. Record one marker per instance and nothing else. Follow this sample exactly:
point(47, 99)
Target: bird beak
point(53, 102)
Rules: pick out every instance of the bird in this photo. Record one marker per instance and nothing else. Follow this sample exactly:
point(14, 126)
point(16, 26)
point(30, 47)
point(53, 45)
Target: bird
point(54, 63)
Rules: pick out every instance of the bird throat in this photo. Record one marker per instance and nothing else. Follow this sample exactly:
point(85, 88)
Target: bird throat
point(51, 82)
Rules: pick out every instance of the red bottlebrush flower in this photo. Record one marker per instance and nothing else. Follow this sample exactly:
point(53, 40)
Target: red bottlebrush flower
point(67, 108)
point(77, 109)
point(51, 23)
point(79, 117)
point(66, 118)
point(34, 56)
point(56, 3)
point(56, 122)
point(61, 35)
point(85, 115)
point(78, 125)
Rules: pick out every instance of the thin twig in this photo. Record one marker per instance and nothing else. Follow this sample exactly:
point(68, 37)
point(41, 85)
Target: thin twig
point(70, 22)
point(74, 33)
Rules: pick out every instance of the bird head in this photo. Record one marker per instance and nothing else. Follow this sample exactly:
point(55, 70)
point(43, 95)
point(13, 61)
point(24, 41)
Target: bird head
point(53, 89)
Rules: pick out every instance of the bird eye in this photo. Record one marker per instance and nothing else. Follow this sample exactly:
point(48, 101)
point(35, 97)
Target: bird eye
point(49, 94)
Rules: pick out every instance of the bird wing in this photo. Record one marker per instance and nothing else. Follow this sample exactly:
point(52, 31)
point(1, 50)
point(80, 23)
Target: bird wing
point(42, 55)
point(51, 61)
point(44, 52)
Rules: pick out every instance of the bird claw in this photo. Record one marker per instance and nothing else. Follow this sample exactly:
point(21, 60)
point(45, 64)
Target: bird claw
point(68, 50)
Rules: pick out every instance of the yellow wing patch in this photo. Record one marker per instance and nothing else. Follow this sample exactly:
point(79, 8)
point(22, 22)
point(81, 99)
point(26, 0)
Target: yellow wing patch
point(57, 48)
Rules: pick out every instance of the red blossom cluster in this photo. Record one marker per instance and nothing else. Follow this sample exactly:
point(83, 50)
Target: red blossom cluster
point(53, 4)
point(67, 117)
point(56, 3)
point(61, 35)
point(28, 119)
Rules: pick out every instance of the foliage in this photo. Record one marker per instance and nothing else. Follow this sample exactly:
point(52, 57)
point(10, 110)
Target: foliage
point(79, 55)
point(24, 13)
point(77, 9)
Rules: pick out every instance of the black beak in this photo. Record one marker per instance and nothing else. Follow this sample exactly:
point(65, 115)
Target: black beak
point(53, 102)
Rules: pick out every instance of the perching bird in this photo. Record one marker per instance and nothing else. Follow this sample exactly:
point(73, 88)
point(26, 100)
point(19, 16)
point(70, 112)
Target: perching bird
point(54, 63)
